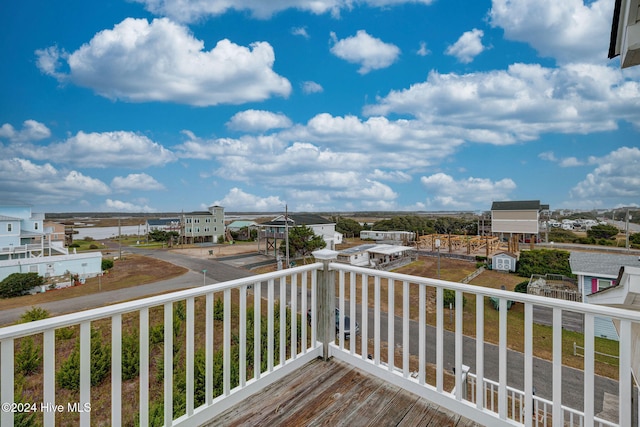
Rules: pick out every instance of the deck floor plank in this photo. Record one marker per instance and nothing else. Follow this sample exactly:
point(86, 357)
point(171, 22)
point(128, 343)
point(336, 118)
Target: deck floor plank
point(335, 393)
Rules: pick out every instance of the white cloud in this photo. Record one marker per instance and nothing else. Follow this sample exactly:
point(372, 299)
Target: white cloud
point(311, 87)
point(300, 31)
point(566, 162)
point(447, 193)
point(423, 51)
point(371, 53)
point(616, 175)
point(31, 131)
point(102, 150)
point(567, 30)
point(118, 205)
point(391, 176)
point(193, 10)
point(136, 181)
point(138, 61)
point(258, 121)
point(238, 200)
point(44, 183)
point(468, 46)
point(520, 103)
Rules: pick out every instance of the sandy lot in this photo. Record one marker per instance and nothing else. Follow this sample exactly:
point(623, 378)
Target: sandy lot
point(220, 251)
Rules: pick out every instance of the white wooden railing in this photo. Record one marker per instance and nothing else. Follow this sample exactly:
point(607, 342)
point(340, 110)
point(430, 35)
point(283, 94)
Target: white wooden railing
point(318, 287)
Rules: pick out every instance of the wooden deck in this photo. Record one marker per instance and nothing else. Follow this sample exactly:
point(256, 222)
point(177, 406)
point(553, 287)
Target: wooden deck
point(336, 394)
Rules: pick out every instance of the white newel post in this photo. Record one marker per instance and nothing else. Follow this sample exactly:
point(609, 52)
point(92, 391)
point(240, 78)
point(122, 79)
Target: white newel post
point(326, 300)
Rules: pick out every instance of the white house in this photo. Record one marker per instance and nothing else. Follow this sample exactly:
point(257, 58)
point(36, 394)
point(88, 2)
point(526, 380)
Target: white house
point(625, 33)
point(275, 230)
point(375, 255)
point(396, 236)
point(596, 272)
point(203, 226)
point(25, 247)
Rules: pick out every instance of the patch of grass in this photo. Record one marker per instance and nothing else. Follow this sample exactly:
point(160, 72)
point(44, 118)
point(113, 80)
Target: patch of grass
point(133, 271)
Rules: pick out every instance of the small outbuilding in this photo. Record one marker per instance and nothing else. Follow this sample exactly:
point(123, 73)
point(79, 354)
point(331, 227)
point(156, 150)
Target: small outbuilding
point(504, 261)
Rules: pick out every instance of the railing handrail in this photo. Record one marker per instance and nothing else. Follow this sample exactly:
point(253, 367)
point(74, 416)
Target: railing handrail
point(619, 313)
point(25, 329)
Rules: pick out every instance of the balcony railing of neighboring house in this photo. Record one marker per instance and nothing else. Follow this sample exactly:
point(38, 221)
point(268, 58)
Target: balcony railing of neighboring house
point(272, 234)
point(554, 286)
point(248, 316)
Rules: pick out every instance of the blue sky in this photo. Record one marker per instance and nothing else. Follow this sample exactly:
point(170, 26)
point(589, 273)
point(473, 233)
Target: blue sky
point(324, 105)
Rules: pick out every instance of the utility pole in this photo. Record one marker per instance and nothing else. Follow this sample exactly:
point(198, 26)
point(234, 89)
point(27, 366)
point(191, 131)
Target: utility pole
point(626, 231)
point(119, 240)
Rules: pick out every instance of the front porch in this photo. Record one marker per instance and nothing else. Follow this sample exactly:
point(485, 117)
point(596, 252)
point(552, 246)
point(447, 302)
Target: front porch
point(234, 339)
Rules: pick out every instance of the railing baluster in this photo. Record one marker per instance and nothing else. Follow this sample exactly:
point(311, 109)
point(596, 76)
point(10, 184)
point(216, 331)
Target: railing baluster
point(85, 371)
point(528, 365)
point(557, 366)
point(208, 351)
point(143, 400)
point(502, 357)
point(314, 307)
point(303, 316)
point(589, 365)
point(439, 341)
point(352, 309)
point(480, 397)
point(7, 377)
point(422, 338)
point(391, 325)
point(365, 314)
point(376, 320)
point(242, 336)
point(294, 316)
point(190, 355)
point(270, 325)
point(405, 329)
point(49, 375)
point(257, 336)
point(341, 298)
point(624, 376)
point(458, 346)
point(168, 364)
point(116, 370)
point(226, 356)
point(283, 320)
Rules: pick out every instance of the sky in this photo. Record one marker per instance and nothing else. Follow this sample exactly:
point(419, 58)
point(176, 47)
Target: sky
point(316, 105)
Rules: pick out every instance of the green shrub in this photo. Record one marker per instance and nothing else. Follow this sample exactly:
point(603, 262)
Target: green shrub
point(156, 334)
point(69, 374)
point(29, 357)
point(449, 297)
point(74, 245)
point(88, 239)
point(130, 356)
point(107, 264)
point(218, 310)
point(544, 261)
point(36, 313)
point(18, 284)
point(93, 246)
point(65, 333)
point(522, 287)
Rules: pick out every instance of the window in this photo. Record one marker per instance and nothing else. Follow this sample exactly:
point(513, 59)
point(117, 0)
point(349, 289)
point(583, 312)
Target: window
point(35, 225)
point(9, 228)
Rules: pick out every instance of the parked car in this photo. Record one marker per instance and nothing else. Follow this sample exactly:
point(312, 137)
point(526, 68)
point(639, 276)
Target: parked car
point(347, 324)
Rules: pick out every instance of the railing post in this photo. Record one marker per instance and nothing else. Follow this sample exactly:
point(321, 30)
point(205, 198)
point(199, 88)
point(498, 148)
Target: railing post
point(326, 301)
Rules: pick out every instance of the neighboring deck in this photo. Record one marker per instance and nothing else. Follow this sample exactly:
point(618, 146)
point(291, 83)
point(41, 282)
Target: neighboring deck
point(336, 393)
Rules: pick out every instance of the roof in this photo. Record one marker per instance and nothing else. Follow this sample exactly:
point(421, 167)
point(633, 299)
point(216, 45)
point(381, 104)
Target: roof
point(509, 254)
point(30, 234)
point(518, 205)
point(600, 264)
point(299, 219)
point(613, 41)
point(162, 221)
point(241, 224)
point(357, 249)
point(9, 218)
point(625, 293)
point(389, 249)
